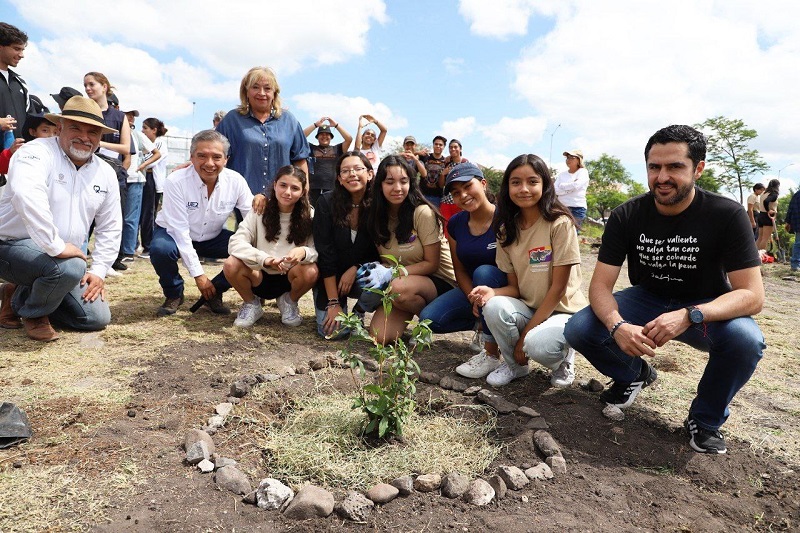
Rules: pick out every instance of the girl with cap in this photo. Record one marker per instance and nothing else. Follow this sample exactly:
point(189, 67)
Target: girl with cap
point(571, 186)
point(272, 255)
point(537, 247)
point(155, 174)
point(342, 240)
point(403, 224)
point(472, 243)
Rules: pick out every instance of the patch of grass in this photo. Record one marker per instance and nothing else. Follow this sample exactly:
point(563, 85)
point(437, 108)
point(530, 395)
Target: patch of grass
point(320, 442)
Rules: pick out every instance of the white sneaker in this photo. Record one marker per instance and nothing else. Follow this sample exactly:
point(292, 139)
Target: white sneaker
point(111, 273)
point(564, 375)
point(290, 313)
point(475, 344)
point(505, 374)
point(249, 314)
point(478, 366)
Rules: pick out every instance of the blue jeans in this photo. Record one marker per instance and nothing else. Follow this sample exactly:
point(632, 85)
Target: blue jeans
point(579, 214)
point(164, 257)
point(795, 259)
point(47, 286)
point(130, 218)
point(734, 348)
point(452, 311)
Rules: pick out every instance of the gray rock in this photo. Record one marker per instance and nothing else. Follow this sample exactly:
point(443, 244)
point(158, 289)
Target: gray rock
point(592, 385)
point(194, 435)
point(527, 411)
point(239, 389)
point(446, 382)
point(428, 482)
point(250, 380)
point(301, 370)
point(309, 502)
point(216, 421)
point(546, 443)
point(205, 466)
point(286, 371)
point(480, 493)
point(557, 464)
point(355, 507)
point(472, 391)
point(499, 486)
point(430, 377)
point(224, 408)
point(250, 498)
point(272, 494)
point(500, 404)
point(454, 485)
point(197, 452)
point(318, 363)
point(459, 386)
point(267, 378)
point(232, 479)
point(221, 462)
point(451, 383)
point(537, 423)
point(383, 493)
point(514, 478)
point(234, 400)
point(613, 412)
point(541, 471)
point(405, 484)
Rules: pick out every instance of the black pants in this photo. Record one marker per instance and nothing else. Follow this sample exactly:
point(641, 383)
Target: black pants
point(148, 216)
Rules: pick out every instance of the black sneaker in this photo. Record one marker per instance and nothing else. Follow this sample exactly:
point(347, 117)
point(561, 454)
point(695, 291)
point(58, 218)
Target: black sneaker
point(119, 265)
point(622, 393)
point(704, 440)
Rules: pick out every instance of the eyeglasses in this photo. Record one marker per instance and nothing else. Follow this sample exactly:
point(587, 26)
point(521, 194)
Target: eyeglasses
point(354, 170)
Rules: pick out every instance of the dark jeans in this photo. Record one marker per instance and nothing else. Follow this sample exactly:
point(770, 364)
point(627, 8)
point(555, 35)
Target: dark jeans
point(734, 349)
point(164, 257)
point(148, 217)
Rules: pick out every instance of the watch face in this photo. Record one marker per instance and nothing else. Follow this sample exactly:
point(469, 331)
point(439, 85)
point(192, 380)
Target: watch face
point(695, 316)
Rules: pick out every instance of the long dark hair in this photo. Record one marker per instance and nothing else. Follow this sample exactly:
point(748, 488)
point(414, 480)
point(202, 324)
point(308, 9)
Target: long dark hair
point(300, 222)
point(505, 223)
point(155, 124)
point(773, 187)
point(378, 214)
point(340, 198)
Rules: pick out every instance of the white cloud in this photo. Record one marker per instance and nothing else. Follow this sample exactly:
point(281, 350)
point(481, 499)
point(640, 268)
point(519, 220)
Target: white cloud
point(226, 38)
point(503, 18)
point(347, 108)
point(453, 65)
point(515, 130)
point(459, 128)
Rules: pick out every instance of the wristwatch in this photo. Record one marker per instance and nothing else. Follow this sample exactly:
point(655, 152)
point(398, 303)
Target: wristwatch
point(695, 315)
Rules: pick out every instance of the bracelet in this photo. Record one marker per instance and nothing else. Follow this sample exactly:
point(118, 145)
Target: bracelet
point(333, 304)
point(616, 327)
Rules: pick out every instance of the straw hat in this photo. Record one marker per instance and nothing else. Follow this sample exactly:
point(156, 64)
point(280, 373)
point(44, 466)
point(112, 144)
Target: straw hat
point(83, 110)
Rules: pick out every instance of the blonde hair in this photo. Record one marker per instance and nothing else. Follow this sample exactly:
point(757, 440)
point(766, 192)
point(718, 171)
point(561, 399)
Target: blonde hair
point(253, 75)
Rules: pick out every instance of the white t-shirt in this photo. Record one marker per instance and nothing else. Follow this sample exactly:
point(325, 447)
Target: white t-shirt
point(144, 147)
point(571, 188)
point(159, 168)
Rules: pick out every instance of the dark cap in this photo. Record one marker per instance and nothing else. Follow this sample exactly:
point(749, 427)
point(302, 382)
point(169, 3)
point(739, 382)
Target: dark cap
point(410, 139)
point(113, 100)
point(324, 129)
point(463, 172)
point(133, 112)
point(65, 94)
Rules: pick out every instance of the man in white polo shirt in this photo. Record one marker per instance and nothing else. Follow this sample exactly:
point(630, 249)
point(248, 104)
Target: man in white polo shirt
point(57, 187)
point(197, 202)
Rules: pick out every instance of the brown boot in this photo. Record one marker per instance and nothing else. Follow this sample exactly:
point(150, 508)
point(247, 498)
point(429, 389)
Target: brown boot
point(39, 329)
point(8, 319)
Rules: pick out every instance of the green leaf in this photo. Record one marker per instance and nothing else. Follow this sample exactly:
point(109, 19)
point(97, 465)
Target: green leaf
point(383, 426)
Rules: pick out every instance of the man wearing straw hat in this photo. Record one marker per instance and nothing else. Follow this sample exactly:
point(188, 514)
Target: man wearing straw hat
point(57, 187)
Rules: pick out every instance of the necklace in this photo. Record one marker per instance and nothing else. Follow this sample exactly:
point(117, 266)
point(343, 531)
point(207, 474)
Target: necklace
point(354, 206)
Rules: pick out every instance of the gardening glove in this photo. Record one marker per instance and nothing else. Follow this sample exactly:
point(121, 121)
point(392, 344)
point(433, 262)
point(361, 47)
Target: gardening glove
point(373, 276)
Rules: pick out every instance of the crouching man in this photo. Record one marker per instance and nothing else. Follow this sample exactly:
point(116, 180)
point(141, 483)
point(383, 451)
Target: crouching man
point(198, 200)
point(696, 278)
point(57, 187)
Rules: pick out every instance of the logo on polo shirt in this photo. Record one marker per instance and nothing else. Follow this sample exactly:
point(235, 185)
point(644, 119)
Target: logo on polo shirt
point(98, 190)
point(191, 206)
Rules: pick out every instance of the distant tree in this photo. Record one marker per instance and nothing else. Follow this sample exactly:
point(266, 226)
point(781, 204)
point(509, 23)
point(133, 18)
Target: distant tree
point(493, 177)
point(728, 150)
point(609, 185)
point(708, 181)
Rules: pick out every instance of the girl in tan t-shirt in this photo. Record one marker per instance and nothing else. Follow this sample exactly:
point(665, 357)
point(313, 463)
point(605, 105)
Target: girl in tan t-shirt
point(404, 224)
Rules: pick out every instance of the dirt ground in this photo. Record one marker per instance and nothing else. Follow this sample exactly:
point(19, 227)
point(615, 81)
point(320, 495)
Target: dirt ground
point(109, 411)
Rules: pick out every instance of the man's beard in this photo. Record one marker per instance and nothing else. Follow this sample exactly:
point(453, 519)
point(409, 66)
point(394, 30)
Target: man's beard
point(681, 193)
point(77, 153)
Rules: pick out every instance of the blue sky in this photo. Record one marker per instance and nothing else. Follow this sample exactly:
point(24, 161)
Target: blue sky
point(499, 75)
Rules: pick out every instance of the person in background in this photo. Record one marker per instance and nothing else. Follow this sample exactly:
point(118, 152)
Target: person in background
point(155, 174)
point(413, 158)
point(754, 206)
point(263, 135)
point(36, 127)
point(218, 116)
point(145, 154)
point(793, 226)
point(571, 186)
point(198, 199)
point(14, 101)
point(324, 156)
point(766, 218)
point(703, 294)
point(272, 255)
point(433, 184)
point(447, 206)
point(65, 94)
point(366, 141)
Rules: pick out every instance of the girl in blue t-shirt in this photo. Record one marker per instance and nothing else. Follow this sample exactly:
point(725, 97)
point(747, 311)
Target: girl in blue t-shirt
point(472, 246)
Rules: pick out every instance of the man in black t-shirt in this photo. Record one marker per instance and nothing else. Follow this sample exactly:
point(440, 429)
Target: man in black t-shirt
point(322, 167)
point(433, 184)
point(696, 278)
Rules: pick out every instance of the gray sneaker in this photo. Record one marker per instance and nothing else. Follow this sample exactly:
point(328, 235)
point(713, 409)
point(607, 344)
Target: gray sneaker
point(290, 312)
point(249, 314)
point(564, 375)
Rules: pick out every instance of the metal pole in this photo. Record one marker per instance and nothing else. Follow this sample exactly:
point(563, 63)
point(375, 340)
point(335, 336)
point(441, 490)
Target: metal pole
point(193, 106)
point(550, 160)
point(781, 170)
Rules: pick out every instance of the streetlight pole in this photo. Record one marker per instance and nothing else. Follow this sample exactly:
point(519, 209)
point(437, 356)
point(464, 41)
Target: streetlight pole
point(550, 160)
point(781, 170)
point(193, 106)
